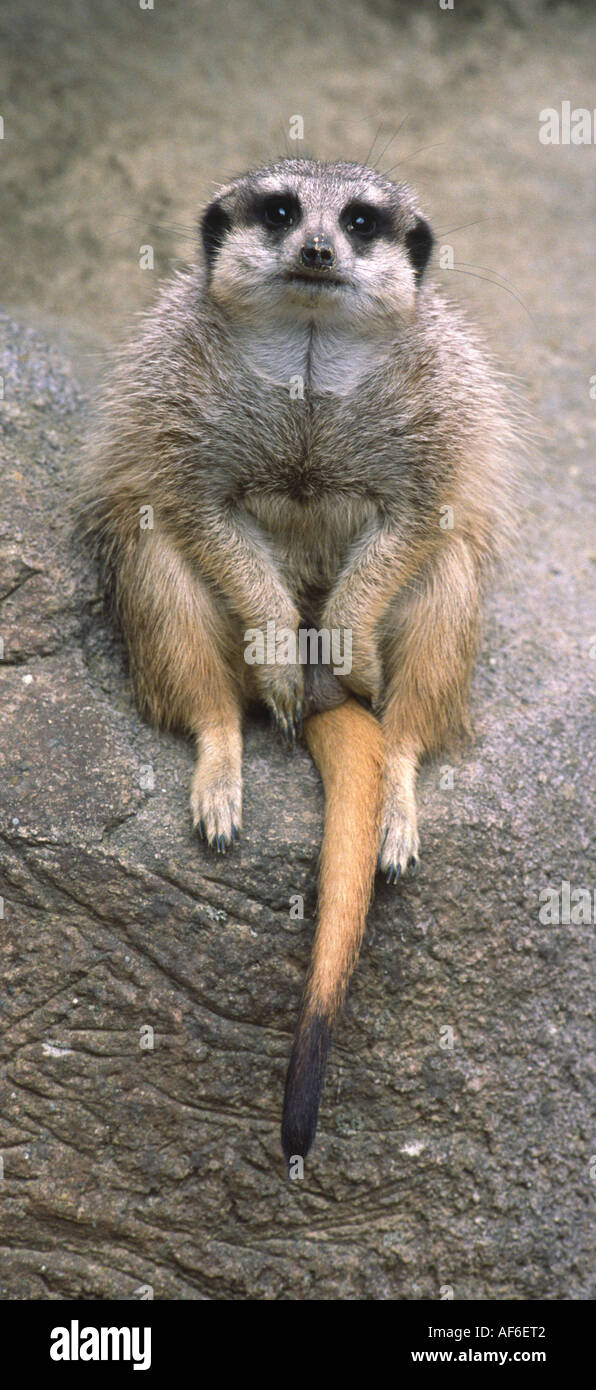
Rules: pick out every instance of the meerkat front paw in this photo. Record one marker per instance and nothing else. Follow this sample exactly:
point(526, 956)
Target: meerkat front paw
point(398, 845)
point(216, 798)
point(283, 692)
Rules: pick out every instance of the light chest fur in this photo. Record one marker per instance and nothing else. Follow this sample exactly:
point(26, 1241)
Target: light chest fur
point(298, 353)
point(318, 415)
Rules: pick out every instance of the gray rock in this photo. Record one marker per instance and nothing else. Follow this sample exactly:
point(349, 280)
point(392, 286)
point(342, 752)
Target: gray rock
point(455, 1158)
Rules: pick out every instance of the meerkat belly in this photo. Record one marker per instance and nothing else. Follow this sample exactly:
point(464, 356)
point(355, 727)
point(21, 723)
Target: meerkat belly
point(311, 540)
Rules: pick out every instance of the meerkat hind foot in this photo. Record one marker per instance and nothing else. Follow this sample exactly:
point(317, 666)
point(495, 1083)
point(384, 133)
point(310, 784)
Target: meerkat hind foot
point(216, 804)
point(399, 846)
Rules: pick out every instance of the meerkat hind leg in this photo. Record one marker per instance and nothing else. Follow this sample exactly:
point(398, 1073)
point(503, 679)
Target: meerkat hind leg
point(182, 662)
point(399, 843)
point(428, 661)
point(216, 786)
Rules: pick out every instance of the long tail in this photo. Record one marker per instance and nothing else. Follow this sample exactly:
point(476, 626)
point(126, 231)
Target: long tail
point(347, 746)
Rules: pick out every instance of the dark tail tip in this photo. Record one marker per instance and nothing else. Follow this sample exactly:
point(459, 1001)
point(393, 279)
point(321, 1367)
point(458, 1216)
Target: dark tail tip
point(304, 1083)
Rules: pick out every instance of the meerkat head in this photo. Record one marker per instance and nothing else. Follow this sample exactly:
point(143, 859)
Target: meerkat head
point(329, 240)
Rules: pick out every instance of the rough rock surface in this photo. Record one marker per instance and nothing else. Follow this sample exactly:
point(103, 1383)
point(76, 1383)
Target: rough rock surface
point(436, 1167)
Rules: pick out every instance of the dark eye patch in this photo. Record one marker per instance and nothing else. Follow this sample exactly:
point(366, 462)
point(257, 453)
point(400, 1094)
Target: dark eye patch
point(277, 212)
point(363, 222)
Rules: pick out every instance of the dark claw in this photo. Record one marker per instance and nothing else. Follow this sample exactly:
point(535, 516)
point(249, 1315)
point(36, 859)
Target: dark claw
point(220, 843)
point(286, 728)
point(299, 720)
point(235, 833)
point(412, 863)
point(394, 873)
point(200, 829)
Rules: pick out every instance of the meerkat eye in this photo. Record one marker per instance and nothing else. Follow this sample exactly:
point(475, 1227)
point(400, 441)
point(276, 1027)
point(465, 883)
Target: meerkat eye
point(360, 222)
point(279, 213)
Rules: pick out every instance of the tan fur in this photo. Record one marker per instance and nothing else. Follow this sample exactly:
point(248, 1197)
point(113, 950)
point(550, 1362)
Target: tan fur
point(318, 506)
point(350, 843)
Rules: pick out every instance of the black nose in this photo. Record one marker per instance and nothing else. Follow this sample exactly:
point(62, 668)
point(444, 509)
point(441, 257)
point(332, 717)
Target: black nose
point(317, 253)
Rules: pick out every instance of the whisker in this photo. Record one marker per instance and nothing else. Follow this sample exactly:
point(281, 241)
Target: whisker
point(284, 136)
point(498, 286)
point(489, 270)
point(178, 229)
point(393, 138)
point(445, 231)
point(369, 155)
point(435, 146)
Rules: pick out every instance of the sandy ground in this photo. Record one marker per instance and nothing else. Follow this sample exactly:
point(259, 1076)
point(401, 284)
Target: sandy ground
point(118, 123)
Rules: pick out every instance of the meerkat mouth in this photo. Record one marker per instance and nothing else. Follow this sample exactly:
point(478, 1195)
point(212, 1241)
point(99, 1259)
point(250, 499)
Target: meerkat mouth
point(318, 280)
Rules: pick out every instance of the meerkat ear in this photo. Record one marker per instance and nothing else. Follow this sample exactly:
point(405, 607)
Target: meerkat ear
point(419, 244)
point(215, 225)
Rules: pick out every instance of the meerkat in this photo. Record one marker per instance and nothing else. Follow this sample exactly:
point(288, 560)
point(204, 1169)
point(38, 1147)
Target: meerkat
point(321, 445)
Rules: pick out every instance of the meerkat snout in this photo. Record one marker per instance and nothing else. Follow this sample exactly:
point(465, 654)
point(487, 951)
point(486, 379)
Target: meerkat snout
point(317, 253)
